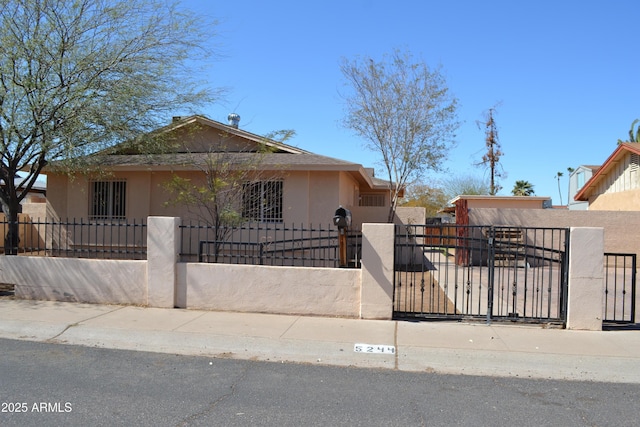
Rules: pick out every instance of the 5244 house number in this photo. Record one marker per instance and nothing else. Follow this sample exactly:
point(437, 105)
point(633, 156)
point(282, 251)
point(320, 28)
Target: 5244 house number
point(374, 348)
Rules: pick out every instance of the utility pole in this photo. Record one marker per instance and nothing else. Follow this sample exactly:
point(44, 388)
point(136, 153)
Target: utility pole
point(492, 157)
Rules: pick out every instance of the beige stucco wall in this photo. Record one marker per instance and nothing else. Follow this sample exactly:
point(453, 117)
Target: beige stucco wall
point(296, 198)
point(57, 197)
point(621, 229)
point(76, 280)
point(504, 202)
point(265, 289)
point(367, 293)
point(309, 197)
point(625, 201)
point(586, 279)
point(376, 296)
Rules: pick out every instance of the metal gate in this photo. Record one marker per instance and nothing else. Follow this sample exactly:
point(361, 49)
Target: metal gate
point(447, 271)
point(619, 289)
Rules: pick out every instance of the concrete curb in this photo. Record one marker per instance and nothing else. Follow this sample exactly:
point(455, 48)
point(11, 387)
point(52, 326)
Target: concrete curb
point(449, 348)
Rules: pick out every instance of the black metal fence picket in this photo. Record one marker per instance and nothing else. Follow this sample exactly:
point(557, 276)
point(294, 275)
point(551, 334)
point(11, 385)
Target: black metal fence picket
point(274, 244)
point(104, 239)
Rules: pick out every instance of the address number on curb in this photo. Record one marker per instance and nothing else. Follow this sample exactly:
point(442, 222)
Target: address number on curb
point(370, 348)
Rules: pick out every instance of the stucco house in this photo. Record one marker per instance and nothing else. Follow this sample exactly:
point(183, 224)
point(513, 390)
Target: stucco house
point(287, 184)
point(615, 186)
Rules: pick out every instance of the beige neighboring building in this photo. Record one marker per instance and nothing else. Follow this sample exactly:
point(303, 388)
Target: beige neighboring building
point(294, 186)
point(462, 205)
point(615, 186)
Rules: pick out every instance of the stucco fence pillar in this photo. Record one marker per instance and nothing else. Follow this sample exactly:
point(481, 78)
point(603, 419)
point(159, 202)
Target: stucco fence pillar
point(163, 250)
point(376, 291)
point(586, 279)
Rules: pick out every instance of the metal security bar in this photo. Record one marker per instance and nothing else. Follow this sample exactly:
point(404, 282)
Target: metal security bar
point(619, 288)
point(487, 272)
point(81, 238)
point(266, 244)
point(108, 199)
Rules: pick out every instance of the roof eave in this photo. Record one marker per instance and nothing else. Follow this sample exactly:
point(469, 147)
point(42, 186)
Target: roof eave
point(591, 184)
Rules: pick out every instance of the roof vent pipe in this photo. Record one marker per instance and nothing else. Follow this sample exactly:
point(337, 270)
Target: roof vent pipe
point(234, 120)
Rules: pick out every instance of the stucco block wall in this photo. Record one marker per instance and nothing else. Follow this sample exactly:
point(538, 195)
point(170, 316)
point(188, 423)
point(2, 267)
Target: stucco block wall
point(162, 281)
point(621, 229)
point(76, 280)
point(266, 289)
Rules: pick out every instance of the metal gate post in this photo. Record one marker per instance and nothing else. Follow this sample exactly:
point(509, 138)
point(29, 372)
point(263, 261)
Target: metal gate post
point(564, 265)
point(633, 289)
point(491, 255)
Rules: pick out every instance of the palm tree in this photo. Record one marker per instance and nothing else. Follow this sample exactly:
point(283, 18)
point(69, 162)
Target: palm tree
point(522, 188)
point(558, 176)
point(633, 137)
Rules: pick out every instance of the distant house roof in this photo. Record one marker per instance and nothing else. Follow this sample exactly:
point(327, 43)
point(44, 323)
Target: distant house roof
point(599, 174)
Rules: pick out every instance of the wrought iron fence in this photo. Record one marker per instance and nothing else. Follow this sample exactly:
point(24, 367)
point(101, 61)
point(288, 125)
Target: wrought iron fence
point(104, 239)
point(273, 244)
point(620, 288)
point(452, 271)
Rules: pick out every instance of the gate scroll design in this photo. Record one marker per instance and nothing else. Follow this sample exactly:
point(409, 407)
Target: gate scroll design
point(486, 272)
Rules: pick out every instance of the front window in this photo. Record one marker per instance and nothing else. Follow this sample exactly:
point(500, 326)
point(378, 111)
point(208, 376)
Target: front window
point(262, 201)
point(107, 199)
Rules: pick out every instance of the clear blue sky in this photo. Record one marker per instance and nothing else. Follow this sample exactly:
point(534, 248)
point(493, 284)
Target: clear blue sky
point(564, 72)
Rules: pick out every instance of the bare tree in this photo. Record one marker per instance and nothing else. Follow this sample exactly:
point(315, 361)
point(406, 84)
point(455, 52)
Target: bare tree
point(79, 76)
point(464, 185)
point(404, 111)
point(236, 185)
point(429, 197)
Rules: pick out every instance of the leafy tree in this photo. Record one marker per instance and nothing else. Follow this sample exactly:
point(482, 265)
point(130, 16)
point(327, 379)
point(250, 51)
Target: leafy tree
point(633, 136)
point(522, 188)
point(493, 154)
point(404, 111)
point(432, 199)
point(79, 76)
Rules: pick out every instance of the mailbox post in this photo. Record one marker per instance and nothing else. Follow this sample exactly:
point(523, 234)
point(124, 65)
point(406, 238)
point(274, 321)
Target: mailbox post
point(342, 220)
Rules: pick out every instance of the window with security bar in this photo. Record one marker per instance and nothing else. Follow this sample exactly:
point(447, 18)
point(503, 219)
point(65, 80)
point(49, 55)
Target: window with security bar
point(262, 201)
point(108, 199)
point(372, 200)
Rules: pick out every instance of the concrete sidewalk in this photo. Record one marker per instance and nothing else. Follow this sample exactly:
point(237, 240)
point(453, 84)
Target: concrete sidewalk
point(443, 347)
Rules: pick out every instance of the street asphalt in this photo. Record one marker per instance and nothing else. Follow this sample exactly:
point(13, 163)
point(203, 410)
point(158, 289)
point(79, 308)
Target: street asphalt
point(498, 349)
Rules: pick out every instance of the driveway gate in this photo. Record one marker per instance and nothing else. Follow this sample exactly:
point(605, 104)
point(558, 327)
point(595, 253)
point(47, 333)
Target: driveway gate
point(495, 273)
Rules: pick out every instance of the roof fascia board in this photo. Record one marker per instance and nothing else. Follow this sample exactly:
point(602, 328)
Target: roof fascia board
point(585, 191)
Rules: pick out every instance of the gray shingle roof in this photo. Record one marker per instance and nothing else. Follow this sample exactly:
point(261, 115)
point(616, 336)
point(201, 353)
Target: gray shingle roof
point(198, 160)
